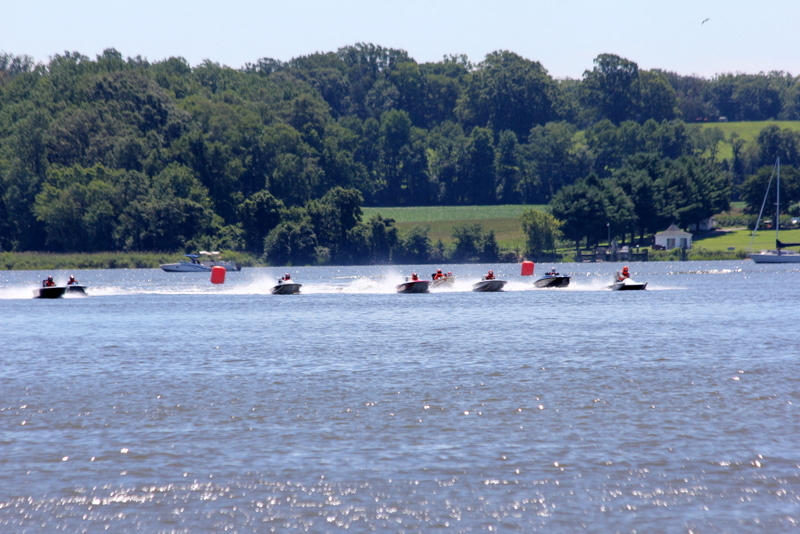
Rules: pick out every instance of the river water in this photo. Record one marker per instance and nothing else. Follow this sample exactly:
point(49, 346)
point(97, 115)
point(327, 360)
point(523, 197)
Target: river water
point(163, 403)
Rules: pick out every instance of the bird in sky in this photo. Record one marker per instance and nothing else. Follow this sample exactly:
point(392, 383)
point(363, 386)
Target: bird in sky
point(705, 20)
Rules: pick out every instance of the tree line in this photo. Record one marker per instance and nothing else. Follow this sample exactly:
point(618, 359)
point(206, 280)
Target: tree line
point(276, 158)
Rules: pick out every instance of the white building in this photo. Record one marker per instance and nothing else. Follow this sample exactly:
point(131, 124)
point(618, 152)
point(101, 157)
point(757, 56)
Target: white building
point(674, 237)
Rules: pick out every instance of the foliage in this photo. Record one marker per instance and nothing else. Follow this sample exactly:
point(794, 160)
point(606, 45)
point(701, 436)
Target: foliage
point(278, 158)
point(542, 232)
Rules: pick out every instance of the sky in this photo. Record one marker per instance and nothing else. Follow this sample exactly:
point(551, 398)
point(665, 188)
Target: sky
point(565, 36)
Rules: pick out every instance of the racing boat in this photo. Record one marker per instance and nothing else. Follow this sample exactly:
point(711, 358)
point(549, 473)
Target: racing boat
point(486, 286)
point(413, 286)
point(76, 289)
point(627, 285)
point(286, 287)
point(191, 266)
point(447, 281)
point(51, 292)
point(552, 280)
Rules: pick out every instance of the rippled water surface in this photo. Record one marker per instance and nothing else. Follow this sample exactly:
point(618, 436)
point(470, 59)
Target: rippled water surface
point(163, 403)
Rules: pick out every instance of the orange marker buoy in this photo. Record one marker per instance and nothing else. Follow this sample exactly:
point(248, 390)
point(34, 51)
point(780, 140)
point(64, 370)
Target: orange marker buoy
point(527, 268)
point(218, 274)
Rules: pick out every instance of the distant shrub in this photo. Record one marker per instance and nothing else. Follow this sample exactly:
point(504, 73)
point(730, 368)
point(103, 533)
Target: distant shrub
point(735, 220)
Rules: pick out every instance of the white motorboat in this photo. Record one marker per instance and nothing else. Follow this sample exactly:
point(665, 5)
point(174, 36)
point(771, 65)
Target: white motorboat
point(191, 266)
point(196, 265)
point(286, 287)
point(627, 285)
point(413, 286)
point(212, 259)
point(490, 285)
point(778, 255)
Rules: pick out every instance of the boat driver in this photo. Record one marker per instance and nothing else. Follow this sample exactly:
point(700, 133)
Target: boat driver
point(48, 282)
point(287, 276)
point(438, 274)
point(490, 275)
point(625, 274)
point(414, 277)
point(553, 272)
point(72, 281)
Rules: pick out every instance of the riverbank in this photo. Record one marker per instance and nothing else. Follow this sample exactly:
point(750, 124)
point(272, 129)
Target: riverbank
point(20, 261)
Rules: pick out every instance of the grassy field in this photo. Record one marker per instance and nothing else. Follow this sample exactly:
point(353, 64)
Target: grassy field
point(746, 131)
point(503, 219)
point(427, 214)
point(740, 240)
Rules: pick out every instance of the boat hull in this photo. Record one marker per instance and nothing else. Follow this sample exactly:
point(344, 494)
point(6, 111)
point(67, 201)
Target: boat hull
point(552, 281)
point(76, 289)
point(415, 286)
point(53, 292)
point(488, 286)
point(447, 281)
point(628, 285)
point(282, 288)
point(185, 267)
point(774, 257)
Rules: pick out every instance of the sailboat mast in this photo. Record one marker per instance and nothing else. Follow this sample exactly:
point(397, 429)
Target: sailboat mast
point(778, 204)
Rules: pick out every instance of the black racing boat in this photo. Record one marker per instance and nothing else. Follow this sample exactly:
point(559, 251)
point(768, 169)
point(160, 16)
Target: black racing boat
point(552, 280)
point(52, 292)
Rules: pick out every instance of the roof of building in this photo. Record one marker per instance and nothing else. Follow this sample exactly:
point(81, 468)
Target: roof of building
point(673, 231)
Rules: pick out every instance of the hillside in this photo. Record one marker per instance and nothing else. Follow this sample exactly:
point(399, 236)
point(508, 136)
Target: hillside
point(746, 131)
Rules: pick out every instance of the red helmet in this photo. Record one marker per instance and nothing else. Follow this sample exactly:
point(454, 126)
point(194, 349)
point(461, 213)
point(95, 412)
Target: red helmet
point(625, 269)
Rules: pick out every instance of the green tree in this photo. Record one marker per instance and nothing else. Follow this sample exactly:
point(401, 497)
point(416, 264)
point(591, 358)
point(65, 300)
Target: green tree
point(415, 246)
point(754, 189)
point(509, 169)
point(292, 242)
point(542, 232)
point(468, 240)
point(692, 190)
point(612, 88)
point(658, 99)
point(477, 169)
point(555, 160)
point(581, 209)
point(259, 214)
point(508, 92)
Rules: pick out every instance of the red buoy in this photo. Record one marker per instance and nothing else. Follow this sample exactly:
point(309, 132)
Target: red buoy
point(218, 274)
point(527, 268)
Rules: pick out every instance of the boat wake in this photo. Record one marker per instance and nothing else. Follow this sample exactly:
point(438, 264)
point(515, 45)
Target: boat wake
point(383, 283)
